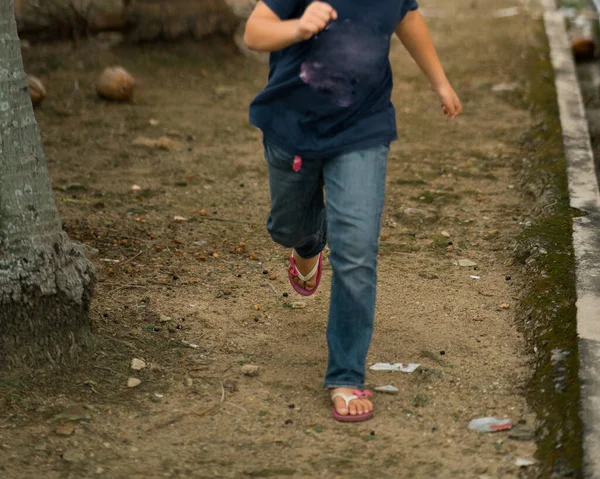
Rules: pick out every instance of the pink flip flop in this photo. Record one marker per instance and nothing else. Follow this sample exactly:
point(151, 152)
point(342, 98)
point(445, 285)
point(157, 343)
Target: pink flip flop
point(348, 418)
point(294, 273)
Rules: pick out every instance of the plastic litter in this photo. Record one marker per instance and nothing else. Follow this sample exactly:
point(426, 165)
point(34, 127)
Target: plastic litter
point(490, 424)
point(389, 389)
point(409, 368)
point(475, 277)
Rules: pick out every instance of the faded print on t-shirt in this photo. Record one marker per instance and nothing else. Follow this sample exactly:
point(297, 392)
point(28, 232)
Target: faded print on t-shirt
point(346, 61)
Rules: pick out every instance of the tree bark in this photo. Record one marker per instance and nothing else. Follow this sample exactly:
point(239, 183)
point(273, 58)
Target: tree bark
point(46, 281)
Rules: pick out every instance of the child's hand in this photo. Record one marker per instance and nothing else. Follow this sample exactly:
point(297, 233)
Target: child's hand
point(315, 19)
point(451, 105)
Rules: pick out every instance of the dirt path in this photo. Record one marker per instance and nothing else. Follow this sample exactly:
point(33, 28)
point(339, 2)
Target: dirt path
point(212, 282)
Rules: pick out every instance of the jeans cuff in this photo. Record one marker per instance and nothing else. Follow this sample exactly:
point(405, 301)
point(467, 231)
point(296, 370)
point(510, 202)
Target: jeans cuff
point(329, 385)
point(320, 246)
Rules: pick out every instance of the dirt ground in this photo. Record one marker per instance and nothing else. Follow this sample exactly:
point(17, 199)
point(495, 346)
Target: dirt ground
point(217, 281)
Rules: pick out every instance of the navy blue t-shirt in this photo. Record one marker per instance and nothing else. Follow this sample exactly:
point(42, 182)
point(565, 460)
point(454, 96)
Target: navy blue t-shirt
point(332, 94)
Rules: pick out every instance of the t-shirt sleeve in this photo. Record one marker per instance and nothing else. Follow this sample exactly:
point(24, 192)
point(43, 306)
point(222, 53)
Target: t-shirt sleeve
point(284, 9)
point(409, 6)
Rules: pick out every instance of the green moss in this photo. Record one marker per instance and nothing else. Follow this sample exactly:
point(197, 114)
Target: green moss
point(547, 310)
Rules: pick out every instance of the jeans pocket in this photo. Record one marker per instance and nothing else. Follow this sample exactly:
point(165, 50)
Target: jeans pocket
point(277, 157)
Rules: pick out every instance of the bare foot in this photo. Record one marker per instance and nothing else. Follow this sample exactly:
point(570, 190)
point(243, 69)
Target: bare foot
point(355, 407)
point(305, 266)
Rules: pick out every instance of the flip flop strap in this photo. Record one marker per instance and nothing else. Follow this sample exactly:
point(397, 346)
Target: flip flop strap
point(310, 275)
point(345, 397)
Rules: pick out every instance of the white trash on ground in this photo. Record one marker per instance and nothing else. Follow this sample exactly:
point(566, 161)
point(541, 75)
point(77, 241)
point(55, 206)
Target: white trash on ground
point(490, 424)
point(409, 368)
point(389, 389)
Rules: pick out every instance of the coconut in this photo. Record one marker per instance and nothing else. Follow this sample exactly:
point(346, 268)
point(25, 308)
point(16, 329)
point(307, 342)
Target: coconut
point(36, 90)
point(583, 49)
point(115, 83)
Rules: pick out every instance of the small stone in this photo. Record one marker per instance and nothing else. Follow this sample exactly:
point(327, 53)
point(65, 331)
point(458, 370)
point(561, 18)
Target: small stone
point(230, 385)
point(66, 429)
point(419, 213)
point(250, 370)
point(73, 456)
point(189, 382)
point(389, 389)
point(446, 234)
point(90, 252)
point(298, 305)
point(138, 364)
point(520, 462)
point(76, 412)
point(507, 278)
point(504, 306)
point(265, 271)
point(133, 382)
point(442, 353)
point(466, 263)
point(99, 470)
point(285, 295)
point(273, 277)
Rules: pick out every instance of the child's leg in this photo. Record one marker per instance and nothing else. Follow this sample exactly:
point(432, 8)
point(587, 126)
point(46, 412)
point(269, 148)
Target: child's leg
point(355, 185)
point(297, 218)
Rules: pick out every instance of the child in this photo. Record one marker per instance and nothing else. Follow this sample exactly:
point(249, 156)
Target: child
point(327, 122)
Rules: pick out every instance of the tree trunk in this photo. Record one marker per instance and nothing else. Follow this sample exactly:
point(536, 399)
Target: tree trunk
point(45, 279)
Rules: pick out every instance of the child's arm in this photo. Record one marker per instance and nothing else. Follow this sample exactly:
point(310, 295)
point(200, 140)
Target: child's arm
point(266, 32)
point(415, 37)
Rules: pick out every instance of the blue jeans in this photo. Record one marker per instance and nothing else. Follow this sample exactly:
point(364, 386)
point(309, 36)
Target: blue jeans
point(349, 221)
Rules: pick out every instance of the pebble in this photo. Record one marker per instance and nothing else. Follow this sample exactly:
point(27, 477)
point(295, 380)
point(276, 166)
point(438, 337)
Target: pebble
point(446, 234)
point(522, 434)
point(298, 305)
point(138, 364)
point(189, 382)
point(504, 306)
point(466, 263)
point(77, 412)
point(133, 382)
point(73, 456)
point(230, 385)
point(66, 429)
point(250, 370)
point(417, 212)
